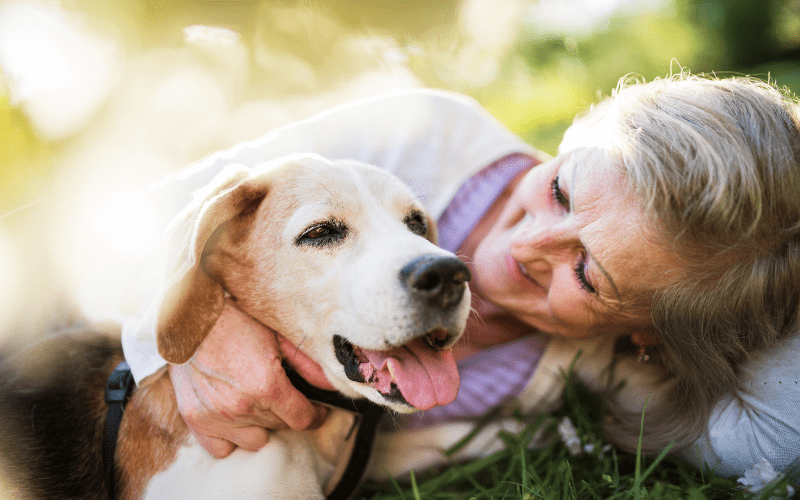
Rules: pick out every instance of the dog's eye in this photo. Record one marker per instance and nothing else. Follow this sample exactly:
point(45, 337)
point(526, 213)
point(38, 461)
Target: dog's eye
point(322, 234)
point(417, 223)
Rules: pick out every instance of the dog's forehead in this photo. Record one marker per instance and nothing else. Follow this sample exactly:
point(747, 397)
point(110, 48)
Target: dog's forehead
point(343, 190)
point(359, 179)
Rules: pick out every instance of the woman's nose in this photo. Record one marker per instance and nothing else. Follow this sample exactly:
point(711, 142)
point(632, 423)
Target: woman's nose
point(542, 238)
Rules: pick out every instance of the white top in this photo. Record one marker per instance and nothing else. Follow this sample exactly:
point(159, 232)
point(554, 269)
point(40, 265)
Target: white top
point(761, 421)
point(434, 141)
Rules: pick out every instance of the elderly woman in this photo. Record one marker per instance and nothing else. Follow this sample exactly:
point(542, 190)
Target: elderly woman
point(662, 243)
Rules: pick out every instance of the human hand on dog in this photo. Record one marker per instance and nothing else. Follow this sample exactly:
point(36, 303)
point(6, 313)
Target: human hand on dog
point(234, 390)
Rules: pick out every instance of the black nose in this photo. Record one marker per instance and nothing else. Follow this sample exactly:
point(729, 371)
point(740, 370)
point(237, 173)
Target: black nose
point(440, 280)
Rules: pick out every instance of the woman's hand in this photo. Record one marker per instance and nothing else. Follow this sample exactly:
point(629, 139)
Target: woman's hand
point(234, 390)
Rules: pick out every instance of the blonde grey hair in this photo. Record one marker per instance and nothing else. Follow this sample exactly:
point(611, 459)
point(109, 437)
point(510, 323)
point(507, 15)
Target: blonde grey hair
point(715, 164)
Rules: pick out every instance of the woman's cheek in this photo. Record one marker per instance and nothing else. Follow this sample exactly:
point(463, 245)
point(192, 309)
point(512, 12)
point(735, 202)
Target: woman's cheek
point(570, 312)
point(488, 266)
point(486, 262)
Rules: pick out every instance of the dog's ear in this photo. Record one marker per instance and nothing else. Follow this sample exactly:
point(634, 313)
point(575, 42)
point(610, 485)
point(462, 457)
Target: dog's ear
point(192, 300)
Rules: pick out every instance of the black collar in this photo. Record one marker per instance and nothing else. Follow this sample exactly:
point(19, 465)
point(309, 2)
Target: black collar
point(369, 414)
point(120, 385)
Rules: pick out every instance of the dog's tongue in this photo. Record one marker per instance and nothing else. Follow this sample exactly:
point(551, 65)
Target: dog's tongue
point(426, 377)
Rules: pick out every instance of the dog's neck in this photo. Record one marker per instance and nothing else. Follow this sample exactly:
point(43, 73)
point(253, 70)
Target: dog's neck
point(370, 414)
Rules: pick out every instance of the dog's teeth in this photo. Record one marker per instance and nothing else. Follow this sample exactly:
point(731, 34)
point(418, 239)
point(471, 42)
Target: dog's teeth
point(391, 372)
point(437, 338)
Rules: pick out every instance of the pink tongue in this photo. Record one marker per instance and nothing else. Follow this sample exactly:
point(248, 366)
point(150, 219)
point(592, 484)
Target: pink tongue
point(425, 376)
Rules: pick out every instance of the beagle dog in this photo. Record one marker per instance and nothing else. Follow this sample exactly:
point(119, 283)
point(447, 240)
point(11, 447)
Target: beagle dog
point(338, 256)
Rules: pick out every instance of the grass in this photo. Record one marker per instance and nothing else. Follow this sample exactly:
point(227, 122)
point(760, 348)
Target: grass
point(551, 473)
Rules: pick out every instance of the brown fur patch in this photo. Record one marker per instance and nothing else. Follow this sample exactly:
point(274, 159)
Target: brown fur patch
point(150, 435)
point(194, 306)
point(247, 200)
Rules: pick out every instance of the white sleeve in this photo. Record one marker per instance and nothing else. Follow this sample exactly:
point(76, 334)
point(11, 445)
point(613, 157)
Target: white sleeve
point(761, 421)
point(431, 140)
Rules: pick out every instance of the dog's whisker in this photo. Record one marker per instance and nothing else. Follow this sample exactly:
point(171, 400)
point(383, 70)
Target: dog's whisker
point(465, 258)
point(302, 340)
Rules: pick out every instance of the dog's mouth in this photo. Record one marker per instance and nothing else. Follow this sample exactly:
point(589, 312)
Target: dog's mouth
point(420, 374)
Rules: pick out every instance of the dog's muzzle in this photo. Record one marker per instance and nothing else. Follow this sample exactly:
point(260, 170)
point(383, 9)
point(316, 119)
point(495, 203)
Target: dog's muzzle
point(420, 373)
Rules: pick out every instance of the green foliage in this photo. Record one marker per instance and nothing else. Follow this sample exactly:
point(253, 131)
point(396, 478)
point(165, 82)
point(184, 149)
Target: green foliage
point(552, 75)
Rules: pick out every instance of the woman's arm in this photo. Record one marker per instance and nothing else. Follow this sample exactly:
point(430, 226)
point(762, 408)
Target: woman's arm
point(761, 421)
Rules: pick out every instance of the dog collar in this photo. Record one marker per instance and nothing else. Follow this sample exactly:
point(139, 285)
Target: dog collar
point(119, 387)
point(369, 415)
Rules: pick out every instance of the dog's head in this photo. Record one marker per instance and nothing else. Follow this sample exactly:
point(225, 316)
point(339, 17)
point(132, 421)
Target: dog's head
point(338, 257)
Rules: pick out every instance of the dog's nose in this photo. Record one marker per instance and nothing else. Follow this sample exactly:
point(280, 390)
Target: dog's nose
point(439, 279)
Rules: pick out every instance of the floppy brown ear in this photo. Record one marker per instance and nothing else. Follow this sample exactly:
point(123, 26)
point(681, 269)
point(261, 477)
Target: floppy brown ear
point(192, 301)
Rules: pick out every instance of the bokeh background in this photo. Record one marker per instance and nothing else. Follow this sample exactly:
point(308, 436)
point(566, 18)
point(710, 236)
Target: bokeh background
point(205, 74)
point(99, 98)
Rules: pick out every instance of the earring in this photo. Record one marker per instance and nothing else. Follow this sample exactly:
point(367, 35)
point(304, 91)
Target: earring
point(643, 357)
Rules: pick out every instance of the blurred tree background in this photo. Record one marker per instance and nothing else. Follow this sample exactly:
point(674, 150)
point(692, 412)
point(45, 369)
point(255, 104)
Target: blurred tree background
point(568, 67)
point(533, 64)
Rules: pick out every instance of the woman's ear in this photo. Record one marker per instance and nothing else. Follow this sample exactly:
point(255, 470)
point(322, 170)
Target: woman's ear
point(644, 339)
point(192, 300)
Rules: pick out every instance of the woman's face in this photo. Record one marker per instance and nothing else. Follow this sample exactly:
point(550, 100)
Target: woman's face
point(570, 253)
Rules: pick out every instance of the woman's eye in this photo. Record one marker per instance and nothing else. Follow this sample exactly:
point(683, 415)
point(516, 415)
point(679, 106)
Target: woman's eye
point(580, 276)
point(323, 234)
point(558, 195)
point(417, 223)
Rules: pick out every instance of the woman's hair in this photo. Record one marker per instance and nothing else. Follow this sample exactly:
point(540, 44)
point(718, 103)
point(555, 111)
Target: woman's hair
point(715, 164)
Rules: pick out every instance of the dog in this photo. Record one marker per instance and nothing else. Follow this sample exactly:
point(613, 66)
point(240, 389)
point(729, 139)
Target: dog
point(337, 256)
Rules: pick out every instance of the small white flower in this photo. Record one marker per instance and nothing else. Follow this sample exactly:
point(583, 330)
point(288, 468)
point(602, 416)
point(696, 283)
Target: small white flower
point(761, 474)
point(569, 436)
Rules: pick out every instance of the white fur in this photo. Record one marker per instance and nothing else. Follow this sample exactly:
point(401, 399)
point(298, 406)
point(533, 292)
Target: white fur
point(292, 466)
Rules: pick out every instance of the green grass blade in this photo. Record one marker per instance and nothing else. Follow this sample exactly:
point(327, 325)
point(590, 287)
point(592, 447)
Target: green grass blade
point(657, 460)
point(637, 480)
point(414, 488)
point(591, 490)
